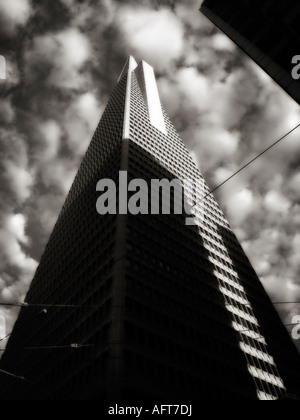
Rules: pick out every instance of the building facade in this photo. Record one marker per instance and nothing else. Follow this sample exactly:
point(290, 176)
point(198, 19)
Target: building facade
point(267, 31)
point(145, 306)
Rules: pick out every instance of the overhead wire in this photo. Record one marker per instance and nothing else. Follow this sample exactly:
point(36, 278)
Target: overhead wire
point(4, 338)
point(13, 375)
point(49, 305)
point(46, 305)
point(70, 346)
point(286, 303)
point(246, 165)
point(26, 305)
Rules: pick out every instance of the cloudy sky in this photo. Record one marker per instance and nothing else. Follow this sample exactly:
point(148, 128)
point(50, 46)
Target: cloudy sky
point(63, 60)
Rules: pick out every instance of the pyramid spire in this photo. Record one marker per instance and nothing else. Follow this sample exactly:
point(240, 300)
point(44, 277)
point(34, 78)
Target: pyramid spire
point(128, 69)
point(147, 81)
point(130, 66)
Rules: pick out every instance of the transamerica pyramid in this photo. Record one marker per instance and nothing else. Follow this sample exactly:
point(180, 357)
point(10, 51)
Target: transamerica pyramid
point(145, 306)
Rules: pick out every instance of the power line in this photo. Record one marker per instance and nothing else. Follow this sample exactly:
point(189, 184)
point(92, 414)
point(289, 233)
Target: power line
point(49, 305)
point(4, 338)
point(246, 165)
point(70, 346)
point(13, 375)
point(15, 329)
point(52, 306)
point(79, 346)
point(283, 303)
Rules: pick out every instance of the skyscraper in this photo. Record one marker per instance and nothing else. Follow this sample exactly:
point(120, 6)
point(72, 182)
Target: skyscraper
point(127, 306)
point(267, 30)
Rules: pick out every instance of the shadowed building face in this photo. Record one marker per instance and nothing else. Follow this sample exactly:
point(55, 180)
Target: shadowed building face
point(166, 310)
point(267, 31)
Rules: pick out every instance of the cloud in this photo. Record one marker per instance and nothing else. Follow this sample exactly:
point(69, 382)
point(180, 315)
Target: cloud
point(155, 36)
point(240, 206)
point(7, 112)
point(43, 212)
point(12, 238)
point(188, 13)
point(88, 108)
point(60, 174)
point(16, 266)
point(293, 185)
point(15, 13)
point(194, 87)
point(16, 226)
point(51, 133)
point(81, 121)
point(69, 3)
point(73, 46)
point(222, 42)
point(276, 202)
point(61, 56)
point(222, 142)
point(19, 179)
